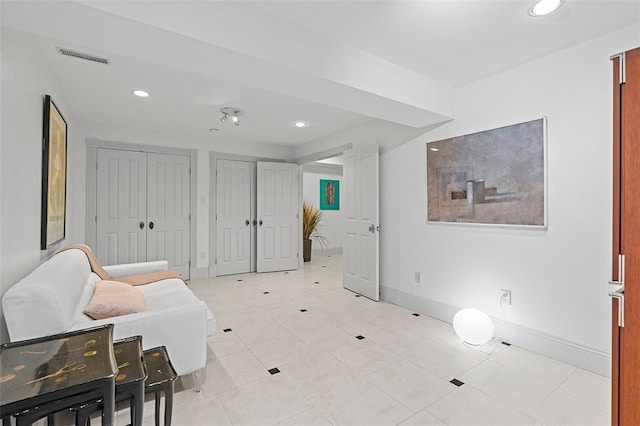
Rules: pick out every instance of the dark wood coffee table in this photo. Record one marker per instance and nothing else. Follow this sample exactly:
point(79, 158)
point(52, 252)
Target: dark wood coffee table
point(39, 377)
point(161, 378)
point(130, 381)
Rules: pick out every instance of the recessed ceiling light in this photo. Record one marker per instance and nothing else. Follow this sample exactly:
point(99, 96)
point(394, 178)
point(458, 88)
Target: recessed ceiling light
point(544, 7)
point(300, 124)
point(141, 93)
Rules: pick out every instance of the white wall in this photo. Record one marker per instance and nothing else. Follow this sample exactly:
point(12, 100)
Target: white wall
point(26, 78)
point(333, 222)
point(559, 276)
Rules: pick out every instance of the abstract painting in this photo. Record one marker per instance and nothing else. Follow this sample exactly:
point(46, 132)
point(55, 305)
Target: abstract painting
point(329, 194)
point(54, 175)
point(494, 177)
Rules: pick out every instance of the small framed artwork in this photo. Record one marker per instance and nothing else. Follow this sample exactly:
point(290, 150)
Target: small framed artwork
point(494, 177)
point(54, 175)
point(329, 194)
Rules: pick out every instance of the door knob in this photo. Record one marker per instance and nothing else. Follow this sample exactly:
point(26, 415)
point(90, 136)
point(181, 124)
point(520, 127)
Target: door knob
point(619, 294)
point(141, 225)
point(254, 222)
point(372, 229)
point(150, 225)
point(246, 222)
point(260, 223)
point(621, 271)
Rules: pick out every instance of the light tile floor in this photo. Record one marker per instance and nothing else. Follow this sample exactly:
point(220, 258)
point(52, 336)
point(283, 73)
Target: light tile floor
point(305, 325)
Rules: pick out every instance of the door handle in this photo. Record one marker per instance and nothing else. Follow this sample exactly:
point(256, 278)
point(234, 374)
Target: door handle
point(372, 229)
point(619, 294)
point(621, 271)
point(260, 222)
point(141, 225)
point(246, 222)
point(254, 222)
point(150, 225)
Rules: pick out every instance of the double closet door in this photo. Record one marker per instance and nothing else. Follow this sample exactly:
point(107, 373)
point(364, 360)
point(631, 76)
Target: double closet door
point(257, 217)
point(625, 353)
point(143, 208)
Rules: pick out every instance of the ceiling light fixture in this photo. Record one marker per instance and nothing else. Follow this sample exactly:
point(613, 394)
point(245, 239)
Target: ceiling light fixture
point(545, 7)
point(300, 124)
point(141, 93)
point(233, 112)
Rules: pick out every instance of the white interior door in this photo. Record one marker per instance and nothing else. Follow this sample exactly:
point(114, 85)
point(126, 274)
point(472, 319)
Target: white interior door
point(234, 217)
point(168, 210)
point(143, 208)
point(277, 214)
point(121, 219)
point(361, 250)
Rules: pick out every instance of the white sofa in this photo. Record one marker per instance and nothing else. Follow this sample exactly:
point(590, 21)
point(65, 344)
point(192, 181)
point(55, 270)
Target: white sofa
point(51, 299)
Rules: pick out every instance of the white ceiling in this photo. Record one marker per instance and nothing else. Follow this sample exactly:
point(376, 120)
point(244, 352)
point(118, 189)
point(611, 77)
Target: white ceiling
point(334, 64)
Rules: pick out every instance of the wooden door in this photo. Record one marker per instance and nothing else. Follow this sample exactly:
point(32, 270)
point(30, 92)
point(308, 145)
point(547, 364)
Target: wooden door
point(277, 212)
point(121, 195)
point(168, 210)
point(361, 251)
point(625, 376)
point(234, 216)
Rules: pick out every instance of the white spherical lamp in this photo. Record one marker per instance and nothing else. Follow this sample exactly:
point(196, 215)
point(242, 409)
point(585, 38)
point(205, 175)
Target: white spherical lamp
point(473, 326)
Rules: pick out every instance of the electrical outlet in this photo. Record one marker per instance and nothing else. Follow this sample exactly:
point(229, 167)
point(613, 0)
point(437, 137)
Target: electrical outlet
point(506, 296)
point(417, 278)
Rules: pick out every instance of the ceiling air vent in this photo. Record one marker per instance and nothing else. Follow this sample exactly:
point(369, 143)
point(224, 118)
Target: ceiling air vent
point(81, 55)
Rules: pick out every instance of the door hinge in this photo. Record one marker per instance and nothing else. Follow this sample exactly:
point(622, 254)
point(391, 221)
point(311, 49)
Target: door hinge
point(622, 68)
point(189, 264)
point(96, 219)
point(189, 216)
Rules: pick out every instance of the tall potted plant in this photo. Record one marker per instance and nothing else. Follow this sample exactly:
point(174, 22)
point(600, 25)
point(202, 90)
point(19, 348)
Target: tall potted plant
point(311, 217)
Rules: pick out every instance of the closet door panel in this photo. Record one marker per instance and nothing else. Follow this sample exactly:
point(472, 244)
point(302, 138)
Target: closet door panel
point(121, 206)
point(234, 216)
point(168, 201)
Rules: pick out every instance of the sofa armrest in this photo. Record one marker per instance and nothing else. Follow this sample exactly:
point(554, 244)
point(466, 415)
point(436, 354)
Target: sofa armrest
point(126, 269)
point(182, 329)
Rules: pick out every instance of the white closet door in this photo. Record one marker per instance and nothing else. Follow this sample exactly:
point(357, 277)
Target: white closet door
point(168, 210)
point(234, 216)
point(277, 212)
point(361, 251)
point(121, 195)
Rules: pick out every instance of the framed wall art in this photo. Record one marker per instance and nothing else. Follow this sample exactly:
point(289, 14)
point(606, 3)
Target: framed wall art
point(494, 177)
point(54, 175)
point(329, 194)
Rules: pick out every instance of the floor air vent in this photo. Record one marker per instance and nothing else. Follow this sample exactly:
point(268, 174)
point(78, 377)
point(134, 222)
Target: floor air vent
point(81, 55)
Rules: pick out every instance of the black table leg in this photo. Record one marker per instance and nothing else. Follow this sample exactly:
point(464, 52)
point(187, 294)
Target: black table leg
point(157, 394)
point(109, 403)
point(168, 404)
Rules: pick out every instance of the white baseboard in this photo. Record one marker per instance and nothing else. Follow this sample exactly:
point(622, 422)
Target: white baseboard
point(589, 359)
point(326, 252)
